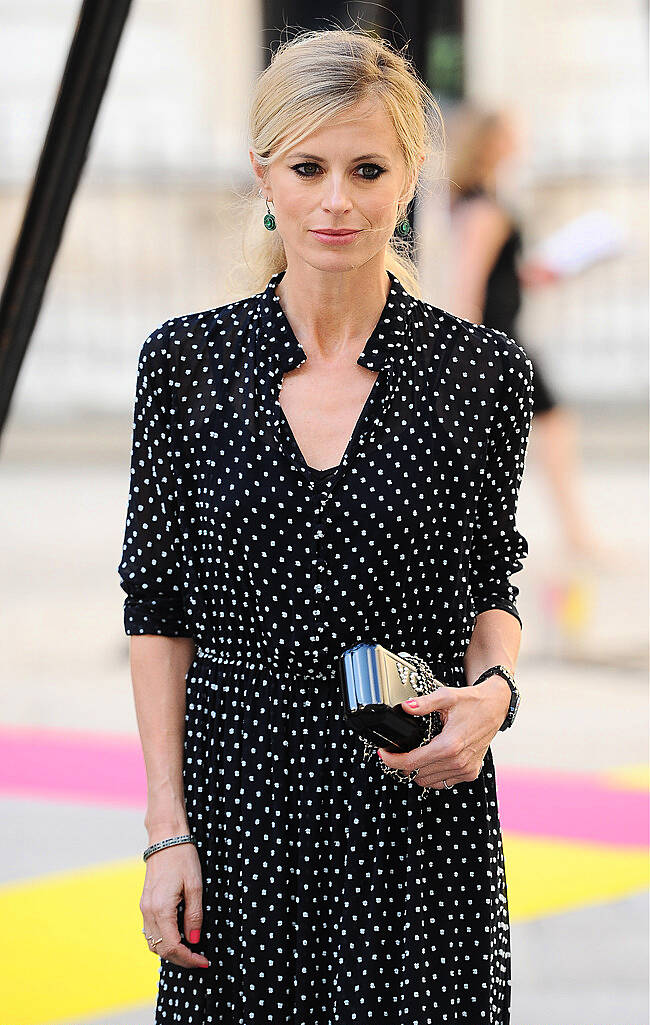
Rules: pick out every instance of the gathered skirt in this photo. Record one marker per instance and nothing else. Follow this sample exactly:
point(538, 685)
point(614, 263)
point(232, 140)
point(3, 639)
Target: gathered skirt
point(331, 892)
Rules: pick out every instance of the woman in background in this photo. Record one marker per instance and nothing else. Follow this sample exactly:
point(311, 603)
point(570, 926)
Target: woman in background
point(486, 281)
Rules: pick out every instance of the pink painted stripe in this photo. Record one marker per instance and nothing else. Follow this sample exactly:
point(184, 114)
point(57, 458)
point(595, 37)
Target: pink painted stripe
point(67, 765)
point(571, 806)
point(109, 769)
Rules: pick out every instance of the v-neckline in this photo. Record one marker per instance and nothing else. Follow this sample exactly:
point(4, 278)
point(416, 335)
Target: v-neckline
point(355, 430)
point(389, 344)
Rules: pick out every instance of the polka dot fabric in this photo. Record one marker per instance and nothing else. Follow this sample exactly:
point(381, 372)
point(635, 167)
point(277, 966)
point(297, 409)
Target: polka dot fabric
point(331, 893)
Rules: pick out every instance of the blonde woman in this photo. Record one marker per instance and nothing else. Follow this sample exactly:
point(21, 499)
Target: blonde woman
point(326, 461)
point(487, 277)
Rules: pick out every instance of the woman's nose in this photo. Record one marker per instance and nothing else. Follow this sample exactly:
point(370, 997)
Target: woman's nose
point(336, 205)
point(335, 197)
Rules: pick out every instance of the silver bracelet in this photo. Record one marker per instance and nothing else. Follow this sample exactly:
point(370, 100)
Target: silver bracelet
point(186, 838)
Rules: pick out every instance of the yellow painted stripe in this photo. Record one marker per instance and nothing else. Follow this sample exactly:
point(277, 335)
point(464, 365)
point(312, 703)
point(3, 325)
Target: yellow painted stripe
point(78, 934)
point(545, 877)
point(628, 777)
point(71, 945)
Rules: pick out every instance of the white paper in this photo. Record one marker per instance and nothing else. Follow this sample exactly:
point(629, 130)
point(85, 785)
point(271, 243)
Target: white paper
point(587, 239)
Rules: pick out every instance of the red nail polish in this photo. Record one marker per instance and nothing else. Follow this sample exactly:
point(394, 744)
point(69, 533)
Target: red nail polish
point(378, 753)
point(194, 935)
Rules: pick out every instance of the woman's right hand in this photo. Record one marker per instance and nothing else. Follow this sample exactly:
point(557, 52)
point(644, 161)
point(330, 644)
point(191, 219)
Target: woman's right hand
point(173, 873)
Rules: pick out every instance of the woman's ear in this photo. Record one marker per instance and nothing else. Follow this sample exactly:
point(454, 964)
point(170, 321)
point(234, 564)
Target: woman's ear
point(411, 182)
point(258, 170)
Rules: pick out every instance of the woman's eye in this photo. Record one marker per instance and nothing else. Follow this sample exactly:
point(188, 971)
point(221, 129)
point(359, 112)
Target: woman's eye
point(296, 167)
point(374, 167)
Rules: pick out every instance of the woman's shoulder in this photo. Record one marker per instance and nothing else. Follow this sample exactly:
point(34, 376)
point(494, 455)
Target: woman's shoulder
point(177, 337)
point(487, 347)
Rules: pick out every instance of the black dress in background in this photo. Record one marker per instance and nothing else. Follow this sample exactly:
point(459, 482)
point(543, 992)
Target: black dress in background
point(332, 894)
point(503, 301)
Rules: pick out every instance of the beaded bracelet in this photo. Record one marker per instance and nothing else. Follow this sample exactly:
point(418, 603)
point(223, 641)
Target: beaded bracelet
point(186, 838)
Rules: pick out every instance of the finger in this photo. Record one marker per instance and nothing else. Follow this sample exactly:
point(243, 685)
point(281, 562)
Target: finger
point(431, 783)
point(148, 927)
point(405, 761)
point(440, 698)
point(193, 914)
point(172, 948)
point(463, 771)
point(441, 755)
point(459, 768)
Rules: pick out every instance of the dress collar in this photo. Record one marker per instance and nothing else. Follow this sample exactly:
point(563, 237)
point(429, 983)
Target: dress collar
point(388, 340)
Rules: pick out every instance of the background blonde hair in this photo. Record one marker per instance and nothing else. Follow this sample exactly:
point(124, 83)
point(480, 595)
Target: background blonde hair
point(470, 129)
point(315, 78)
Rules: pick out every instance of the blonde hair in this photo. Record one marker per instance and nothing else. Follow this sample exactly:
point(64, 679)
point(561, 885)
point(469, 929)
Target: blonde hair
point(312, 79)
point(469, 130)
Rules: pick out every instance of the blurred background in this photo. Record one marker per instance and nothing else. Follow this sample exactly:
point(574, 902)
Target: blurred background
point(546, 106)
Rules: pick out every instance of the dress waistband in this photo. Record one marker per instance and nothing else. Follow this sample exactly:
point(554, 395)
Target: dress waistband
point(205, 654)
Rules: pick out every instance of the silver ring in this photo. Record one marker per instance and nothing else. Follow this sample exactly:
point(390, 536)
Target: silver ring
point(447, 787)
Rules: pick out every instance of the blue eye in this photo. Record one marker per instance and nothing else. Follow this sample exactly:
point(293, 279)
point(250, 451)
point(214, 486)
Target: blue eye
point(375, 167)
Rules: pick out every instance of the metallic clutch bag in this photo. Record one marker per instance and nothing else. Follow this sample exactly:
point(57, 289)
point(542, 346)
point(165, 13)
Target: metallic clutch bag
point(374, 682)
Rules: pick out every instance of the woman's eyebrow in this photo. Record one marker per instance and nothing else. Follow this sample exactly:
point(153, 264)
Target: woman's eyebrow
point(313, 156)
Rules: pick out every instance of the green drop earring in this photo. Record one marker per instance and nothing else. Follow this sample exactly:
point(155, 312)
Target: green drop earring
point(404, 227)
point(269, 219)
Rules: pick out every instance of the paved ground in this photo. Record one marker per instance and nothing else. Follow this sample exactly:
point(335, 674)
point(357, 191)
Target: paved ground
point(572, 775)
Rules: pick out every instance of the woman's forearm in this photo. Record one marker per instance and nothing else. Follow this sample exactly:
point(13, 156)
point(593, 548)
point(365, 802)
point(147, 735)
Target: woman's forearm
point(158, 669)
point(496, 640)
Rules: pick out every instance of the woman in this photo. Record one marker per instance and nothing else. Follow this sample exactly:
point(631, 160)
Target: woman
point(327, 461)
point(486, 279)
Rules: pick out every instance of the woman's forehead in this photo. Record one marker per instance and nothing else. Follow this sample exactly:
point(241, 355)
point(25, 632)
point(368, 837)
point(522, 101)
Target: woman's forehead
point(362, 128)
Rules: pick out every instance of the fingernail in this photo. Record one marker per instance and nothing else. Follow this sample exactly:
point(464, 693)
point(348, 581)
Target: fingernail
point(206, 965)
point(412, 702)
point(379, 753)
point(194, 935)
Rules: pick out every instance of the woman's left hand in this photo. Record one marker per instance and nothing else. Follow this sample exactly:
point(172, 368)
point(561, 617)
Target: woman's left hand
point(471, 717)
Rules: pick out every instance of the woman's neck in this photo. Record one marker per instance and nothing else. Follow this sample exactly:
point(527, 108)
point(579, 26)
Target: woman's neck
point(332, 315)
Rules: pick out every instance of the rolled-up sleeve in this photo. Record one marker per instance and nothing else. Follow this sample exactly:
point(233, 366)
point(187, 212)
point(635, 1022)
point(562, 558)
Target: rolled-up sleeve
point(151, 566)
point(499, 548)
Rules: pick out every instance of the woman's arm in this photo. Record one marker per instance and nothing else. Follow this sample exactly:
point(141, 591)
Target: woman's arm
point(496, 640)
point(152, 574)
point(471, 715)
point(499, 548)
point(152, 568)
point(480, 229)
point(158, 669)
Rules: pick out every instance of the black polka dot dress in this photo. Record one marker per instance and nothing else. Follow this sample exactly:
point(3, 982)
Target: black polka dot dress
point(332, 892)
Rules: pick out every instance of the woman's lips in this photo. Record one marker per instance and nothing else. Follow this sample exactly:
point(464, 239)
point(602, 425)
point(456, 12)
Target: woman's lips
point(336, 239)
